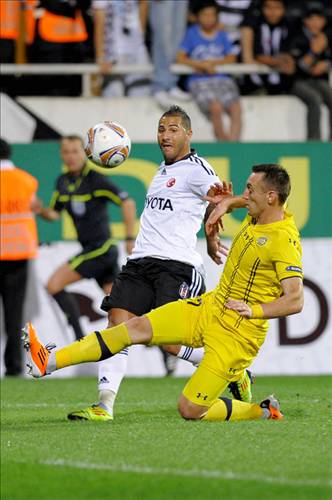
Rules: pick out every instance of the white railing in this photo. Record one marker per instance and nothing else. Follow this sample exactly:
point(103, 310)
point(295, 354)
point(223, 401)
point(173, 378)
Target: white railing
point(87, 70)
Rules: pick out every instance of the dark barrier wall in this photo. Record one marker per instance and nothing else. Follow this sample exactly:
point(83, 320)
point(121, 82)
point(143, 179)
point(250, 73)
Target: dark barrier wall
point(310, 167)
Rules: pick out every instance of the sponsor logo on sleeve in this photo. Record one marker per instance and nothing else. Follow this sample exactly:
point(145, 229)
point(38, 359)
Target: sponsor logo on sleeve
point(295, 269)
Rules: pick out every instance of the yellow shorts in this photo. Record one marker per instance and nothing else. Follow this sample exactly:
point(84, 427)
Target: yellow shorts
point(194, 322)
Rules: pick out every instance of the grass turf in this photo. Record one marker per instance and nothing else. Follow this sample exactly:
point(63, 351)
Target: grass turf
point(148, 451)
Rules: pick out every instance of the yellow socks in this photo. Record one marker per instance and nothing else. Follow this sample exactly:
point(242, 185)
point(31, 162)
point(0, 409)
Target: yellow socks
point(94, 347)
point(231, 409)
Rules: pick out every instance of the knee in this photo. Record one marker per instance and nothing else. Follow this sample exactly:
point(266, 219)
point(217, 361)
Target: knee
point(215, 108)
point(140, 330)
point(189, 410)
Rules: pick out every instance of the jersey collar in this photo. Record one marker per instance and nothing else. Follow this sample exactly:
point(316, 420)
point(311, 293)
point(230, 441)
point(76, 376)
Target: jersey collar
point(192, 152)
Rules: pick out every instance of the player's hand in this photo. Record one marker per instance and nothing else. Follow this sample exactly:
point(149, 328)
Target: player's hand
point(214, 223)
point(216, 250)
point(219, 190)
point(130, 246)
point(239, 306)
point(36, 205)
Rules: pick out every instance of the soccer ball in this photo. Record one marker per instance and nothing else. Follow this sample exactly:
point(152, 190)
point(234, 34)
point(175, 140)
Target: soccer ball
point(107, 144)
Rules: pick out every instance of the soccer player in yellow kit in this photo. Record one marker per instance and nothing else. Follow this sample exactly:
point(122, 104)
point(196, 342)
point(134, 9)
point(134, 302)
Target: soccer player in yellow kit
point(262, 279)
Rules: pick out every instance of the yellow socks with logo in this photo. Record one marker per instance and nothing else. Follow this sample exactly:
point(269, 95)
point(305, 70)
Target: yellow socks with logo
point(94, 347)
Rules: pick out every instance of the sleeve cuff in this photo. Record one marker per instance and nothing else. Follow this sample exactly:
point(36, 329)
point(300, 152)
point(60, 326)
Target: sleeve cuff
point(257, 311)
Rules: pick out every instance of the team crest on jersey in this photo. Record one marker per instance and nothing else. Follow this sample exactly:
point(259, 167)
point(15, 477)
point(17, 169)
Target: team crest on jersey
point(78, 207)
point(184, 290)
point(170, 182)
point(164, 171)
point(261, 241)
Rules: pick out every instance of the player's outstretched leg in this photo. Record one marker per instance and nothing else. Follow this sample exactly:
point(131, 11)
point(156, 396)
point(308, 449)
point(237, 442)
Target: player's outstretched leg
point(38, 353)
point(94, 347)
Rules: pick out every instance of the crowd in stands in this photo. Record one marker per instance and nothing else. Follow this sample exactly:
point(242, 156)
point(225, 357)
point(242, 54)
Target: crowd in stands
point(292, 37)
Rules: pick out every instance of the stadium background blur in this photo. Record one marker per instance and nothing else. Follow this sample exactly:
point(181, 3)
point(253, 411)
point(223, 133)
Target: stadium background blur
point(37, 109)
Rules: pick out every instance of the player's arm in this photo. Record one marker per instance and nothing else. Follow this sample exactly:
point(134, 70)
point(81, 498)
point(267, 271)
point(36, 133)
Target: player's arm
point(47, 213)
point(107, 189)
point(291, 302)
point(215, 248)
point(128, 209)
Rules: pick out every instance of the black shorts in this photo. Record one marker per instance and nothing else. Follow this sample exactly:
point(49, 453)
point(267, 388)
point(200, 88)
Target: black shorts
point(100, 263)
point(147, 283)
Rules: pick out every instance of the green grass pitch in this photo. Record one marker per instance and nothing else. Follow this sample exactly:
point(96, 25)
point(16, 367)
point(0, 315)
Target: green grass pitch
point(149, 452)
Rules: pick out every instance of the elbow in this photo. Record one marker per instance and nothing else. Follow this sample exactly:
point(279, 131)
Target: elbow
point(298, 304)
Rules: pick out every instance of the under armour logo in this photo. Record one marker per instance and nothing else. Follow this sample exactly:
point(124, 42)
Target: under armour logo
point(200, 395)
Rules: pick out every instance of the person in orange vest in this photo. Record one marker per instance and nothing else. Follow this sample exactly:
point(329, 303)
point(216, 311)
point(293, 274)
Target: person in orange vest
point(19, 244)
point(10, 26)
point(60, 37)
point(9, 29)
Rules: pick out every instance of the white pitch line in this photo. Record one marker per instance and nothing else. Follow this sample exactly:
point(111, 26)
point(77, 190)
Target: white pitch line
point(139, 404)
point(206, 474)
point(80, 403)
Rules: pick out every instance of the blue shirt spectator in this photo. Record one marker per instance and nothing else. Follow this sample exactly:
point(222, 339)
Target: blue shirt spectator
point(202, 48)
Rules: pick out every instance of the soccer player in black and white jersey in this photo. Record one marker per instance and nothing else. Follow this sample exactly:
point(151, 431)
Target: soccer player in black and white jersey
point(164, 265)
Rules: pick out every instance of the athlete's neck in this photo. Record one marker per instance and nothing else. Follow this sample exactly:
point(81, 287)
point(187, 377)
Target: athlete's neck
point(182, 157)
point(270, 217)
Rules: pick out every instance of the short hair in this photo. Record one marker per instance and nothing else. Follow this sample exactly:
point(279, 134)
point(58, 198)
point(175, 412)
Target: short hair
point(72, 137)
point(205, 4)
point(5, 150)
point(283, 2)
point(276, 177)
point(177, 111)
point(314, 9)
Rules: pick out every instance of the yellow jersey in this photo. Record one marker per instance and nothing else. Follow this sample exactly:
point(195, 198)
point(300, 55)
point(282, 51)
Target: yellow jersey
point(261, 256)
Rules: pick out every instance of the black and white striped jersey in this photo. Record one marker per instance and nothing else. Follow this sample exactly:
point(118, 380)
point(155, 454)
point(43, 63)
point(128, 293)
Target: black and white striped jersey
point(174, 211)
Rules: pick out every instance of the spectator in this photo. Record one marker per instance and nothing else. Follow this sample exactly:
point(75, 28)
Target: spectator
point(230, 17)
point(168, 19)
point(204, 47)
point(9, 29)
point(265, 40)
point(18, 246)
point(312, 51)
point(59, 38)
point(119, 38)
point(10, 24)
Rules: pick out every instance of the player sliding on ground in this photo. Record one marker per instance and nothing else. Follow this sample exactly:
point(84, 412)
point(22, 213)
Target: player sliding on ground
point(262, 279)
